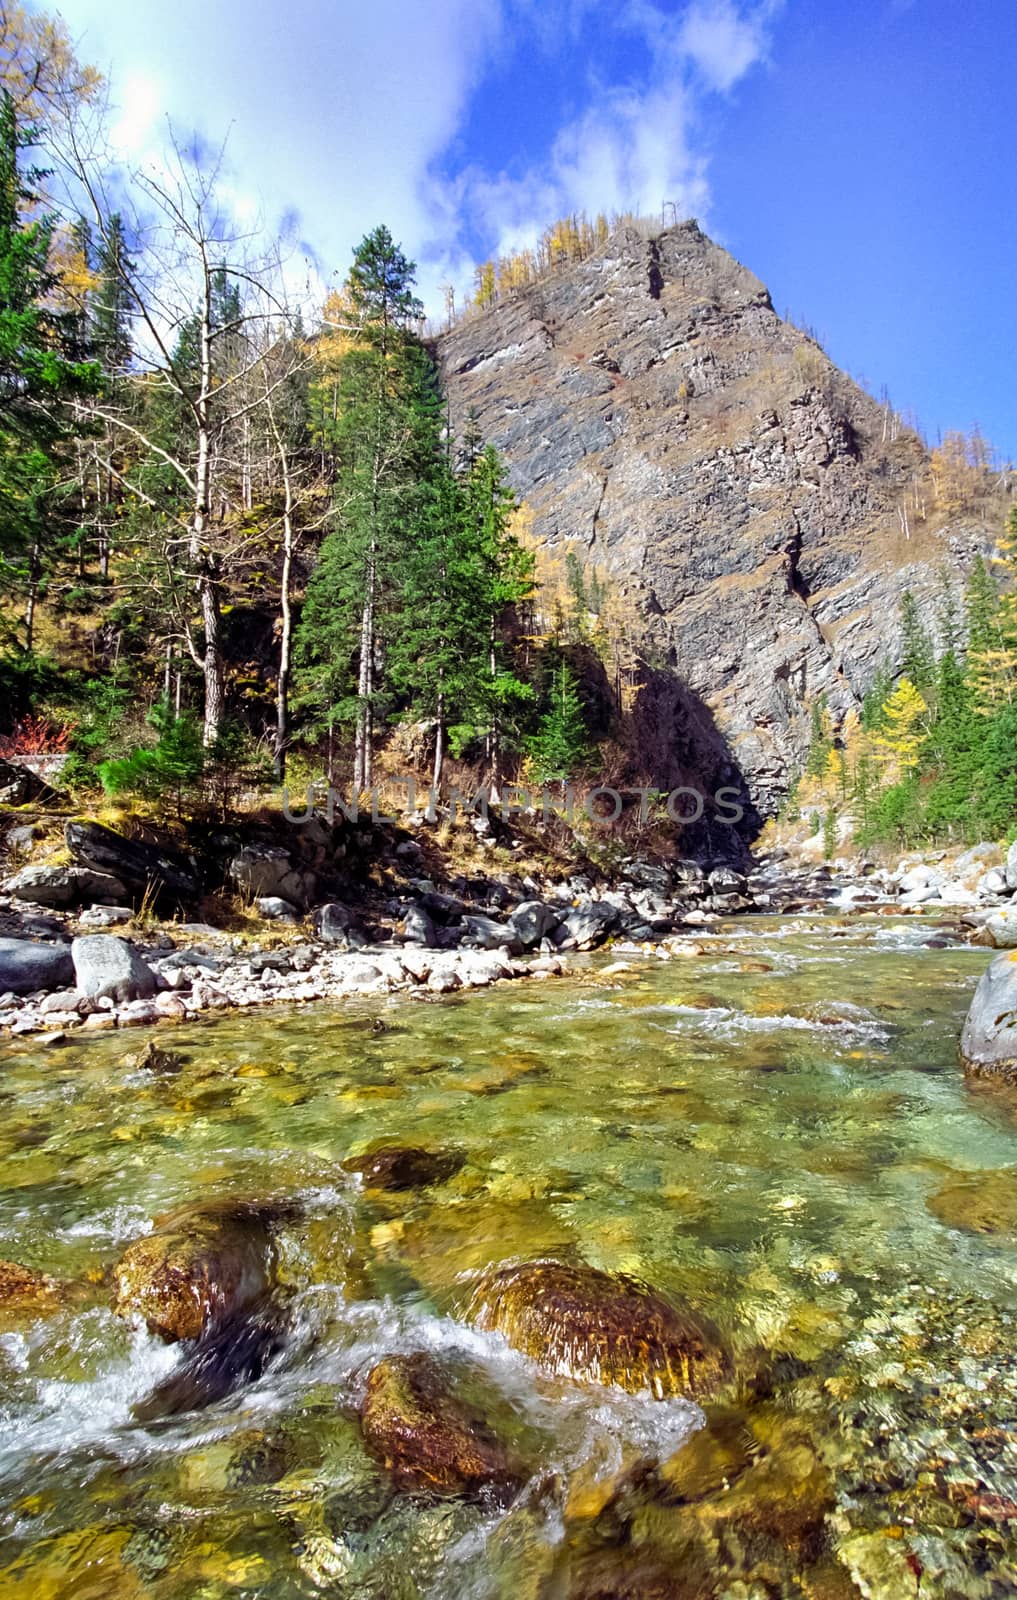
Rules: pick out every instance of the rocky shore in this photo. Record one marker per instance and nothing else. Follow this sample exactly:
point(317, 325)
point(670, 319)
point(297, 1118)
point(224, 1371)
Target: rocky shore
point(76, 953)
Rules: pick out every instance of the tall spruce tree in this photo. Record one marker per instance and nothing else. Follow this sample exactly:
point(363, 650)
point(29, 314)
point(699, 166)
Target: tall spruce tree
point(384, 444)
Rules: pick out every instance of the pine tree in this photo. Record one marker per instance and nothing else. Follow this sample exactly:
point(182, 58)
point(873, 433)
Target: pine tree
point(561, 747)
point(383, 431)
point(917, 657)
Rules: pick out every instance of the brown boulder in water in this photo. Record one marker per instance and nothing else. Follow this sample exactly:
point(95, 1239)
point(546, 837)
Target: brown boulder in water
point(398, 1167)
point(201, 1267)
point(425, 1435)
point(25, 1293)
point(585, 1323)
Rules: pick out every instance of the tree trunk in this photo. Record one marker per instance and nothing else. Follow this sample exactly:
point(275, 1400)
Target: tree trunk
point(207, 584)
point(282, 709)
point(363, 752)
point(33, 597)
point(439, 748)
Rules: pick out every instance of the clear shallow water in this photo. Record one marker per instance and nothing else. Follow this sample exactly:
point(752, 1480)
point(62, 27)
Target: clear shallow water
point(777, 1131)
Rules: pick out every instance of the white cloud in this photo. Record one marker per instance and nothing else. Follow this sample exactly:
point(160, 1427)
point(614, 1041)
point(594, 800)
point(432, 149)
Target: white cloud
point(341, 117)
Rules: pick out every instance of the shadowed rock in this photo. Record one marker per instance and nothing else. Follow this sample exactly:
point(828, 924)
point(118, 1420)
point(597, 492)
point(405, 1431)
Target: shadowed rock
point(427, 1437)
point(588, 1325)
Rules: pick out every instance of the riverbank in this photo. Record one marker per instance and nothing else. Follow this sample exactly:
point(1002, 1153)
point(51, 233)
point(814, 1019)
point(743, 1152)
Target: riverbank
point(101, 966)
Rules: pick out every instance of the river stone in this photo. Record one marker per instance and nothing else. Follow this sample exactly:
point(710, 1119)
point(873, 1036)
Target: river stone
point(24, 1294)
point(332, 924)
point(105, 965)
point(398, 1167)
point(988, 1044)
point(142, 867)
point(483, 933)
point(532, 921)
point(586, 926)
point(587, 1324)
point(425, 1435)
point(63, 886)
point(26, 967)
point(1001, 928)
point(201, 1267)
point(418, 928)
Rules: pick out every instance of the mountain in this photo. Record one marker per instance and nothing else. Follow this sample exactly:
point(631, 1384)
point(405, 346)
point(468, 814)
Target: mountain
point(764, 512)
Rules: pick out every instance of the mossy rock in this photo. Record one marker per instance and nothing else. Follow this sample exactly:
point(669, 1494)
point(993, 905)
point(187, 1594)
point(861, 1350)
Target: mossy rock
point(399, 1167)
point(980, 1202)
point(587, 1324)
point(425, 1436)
point(199, 1269)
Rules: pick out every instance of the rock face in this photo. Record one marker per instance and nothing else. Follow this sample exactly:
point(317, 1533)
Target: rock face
point(105, 966)
point(26, 966)
point(762, 512)
point(988, 1043)
point(142, 867)
point(61, 886)
point(587, 1324)
point(427, 1437)
point(199, 1270)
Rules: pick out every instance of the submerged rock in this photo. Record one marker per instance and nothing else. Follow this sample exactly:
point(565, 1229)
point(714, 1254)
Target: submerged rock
point(587, 1324)
point(25, 1293)
point(398, 1167)
point(988, 1044)
point(425, 1435)
point(200, 1268)
point(979, 1202)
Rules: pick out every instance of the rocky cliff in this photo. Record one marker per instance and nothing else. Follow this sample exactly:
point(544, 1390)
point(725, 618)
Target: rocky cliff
point(759, 506)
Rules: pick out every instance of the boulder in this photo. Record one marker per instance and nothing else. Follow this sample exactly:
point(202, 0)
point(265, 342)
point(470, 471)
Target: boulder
point(199, 1269)
point(263, 871)
point(483, 933)
point(427, 1437)
point(532, 921)
point(107, 966)
point(141, 867)
point(988, 1043)
point(333, 924)
point(1011, 866)
point(399, 1167)
point(19, 786)
point(105, 916)
point(417, 927)
point(584, 927)
point(275, 909)
point(977, 859)
point(1001, 929)
point(590, 1325)
point(63, 886)
point(26, 967)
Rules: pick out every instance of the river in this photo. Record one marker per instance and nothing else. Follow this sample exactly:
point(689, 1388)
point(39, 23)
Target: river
point(776, 1131)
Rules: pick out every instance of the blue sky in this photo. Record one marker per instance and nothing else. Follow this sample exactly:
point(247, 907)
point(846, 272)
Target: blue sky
point(859, 155)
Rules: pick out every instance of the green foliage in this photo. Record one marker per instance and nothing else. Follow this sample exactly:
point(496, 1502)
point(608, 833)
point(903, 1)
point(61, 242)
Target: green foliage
point(561, 747)
point(173, 766)
point(820, 738)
